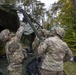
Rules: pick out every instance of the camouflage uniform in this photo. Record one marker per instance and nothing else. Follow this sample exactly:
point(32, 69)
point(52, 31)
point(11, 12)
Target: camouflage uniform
point(54, 51)
point(36, 42)
point(4, 35)
point(14, 53)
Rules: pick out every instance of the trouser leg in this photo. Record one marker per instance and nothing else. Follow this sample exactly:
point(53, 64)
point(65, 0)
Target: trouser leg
point(15, 69)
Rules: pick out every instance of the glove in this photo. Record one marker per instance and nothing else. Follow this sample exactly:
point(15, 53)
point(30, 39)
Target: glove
point(73, 59)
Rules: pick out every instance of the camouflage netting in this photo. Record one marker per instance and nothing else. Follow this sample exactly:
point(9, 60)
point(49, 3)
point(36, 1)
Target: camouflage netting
point(8, 18)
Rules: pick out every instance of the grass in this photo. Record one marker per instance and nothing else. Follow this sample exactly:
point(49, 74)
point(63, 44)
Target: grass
point(70, 68)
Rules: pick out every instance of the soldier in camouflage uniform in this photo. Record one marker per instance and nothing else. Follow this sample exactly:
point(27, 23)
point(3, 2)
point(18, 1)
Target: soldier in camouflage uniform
point(14, 50)
point(54, 50)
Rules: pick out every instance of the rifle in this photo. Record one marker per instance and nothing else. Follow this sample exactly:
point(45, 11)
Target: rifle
point(29, 21)
point(34, 21)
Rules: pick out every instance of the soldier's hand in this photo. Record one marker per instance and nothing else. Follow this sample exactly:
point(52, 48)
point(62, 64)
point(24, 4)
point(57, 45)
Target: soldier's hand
point(73, 59)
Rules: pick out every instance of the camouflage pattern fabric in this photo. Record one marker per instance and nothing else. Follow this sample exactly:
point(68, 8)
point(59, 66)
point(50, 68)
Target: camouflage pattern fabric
point(47, 72)
point(58, 30)
point(14, 53)
point(54, 51)
point(35, 44)
point(4, 34)
point(14, 69)
point(36, 41)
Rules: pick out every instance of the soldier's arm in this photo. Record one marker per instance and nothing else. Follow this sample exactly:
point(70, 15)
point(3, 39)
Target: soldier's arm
point(42, 48)
point(35, 44)
point(68, 54)
point(7, 51)
point(20, 31)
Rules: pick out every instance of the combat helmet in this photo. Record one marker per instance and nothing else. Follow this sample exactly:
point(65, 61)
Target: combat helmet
point(4, 34)
point(59, 31)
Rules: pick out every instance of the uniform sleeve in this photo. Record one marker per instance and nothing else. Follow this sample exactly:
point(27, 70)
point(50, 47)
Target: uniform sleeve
point(20, 31)
point(7, 52)
point(35, 44)
point(68, 54)
point(42, 48)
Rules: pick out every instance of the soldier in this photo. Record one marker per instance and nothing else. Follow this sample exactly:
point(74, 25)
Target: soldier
point(54, 50)
point(33, 66)
point(14, 50)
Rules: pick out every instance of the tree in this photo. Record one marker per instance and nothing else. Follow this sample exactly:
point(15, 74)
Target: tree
point(35, 9)
point(52, 14)
point(66, 18)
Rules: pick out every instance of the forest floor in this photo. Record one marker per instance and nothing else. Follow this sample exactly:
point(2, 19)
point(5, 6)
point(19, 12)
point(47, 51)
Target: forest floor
point(70, 68)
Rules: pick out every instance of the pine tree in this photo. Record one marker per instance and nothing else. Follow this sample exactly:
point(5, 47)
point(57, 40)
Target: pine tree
point(66, 18)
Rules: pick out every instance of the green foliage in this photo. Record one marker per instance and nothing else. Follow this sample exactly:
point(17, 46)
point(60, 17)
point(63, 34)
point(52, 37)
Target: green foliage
point(67, 13)
point(66, 18)
point(70, 38)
